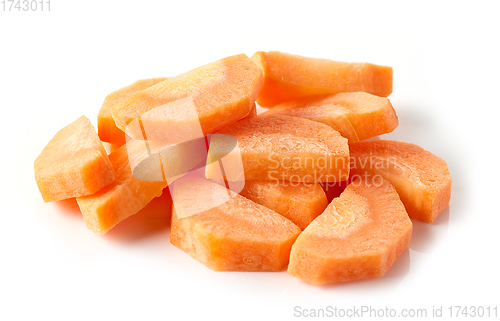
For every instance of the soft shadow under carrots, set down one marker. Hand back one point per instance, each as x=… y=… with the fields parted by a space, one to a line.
x=152 y=219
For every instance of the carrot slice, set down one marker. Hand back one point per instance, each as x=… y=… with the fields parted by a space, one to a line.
x=226 y=231
x=74 y=163
x=127 y=194
x=301 y=203
x=421 y=178
x=277 y=148
x=253 y=112
x=204 y=99
x=288 y=77
x=333 y=190
x=106 y=127
x=357 y=115
x=359 y=235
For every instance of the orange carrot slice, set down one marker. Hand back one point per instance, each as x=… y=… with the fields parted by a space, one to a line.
x=359 y=236
x=226 y=231
x=74 y=163
x=127 y=194
x=333 y=190
x=253 y=112
x=301 y=203
x=421 y=178
x=204 y=99
x=108 y=132
x=288 y=77
x=278 y=148
x=356 y=116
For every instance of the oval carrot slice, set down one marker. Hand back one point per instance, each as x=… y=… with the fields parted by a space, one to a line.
x=356 y=116
x=359 y=235
x=421 y=178
x=288 y=77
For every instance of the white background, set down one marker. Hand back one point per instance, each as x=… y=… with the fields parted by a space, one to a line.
x=56 y=66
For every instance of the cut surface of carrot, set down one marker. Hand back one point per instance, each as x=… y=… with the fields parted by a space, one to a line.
x=301 y=203
x=253 y=112
x=283 y=148
x=355 y=115
x=127 y=194
x=106 y=127
x=288 y=77
x=226 y=231
x=421 y=178
x=74 y=163
x=359 y=235
x=202 y=100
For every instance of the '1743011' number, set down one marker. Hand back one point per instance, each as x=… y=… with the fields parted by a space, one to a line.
x=25 y=5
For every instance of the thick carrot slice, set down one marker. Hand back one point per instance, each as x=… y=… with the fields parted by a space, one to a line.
x=421 y=178
x=301 y=203
x=226 y=231
x=204 y=99
x=359 y=236
x=127 y=194
x=253 y=112
x=288 y=77
x=279 y=148
x=333 y=190
x=356 y=116
x=74 y=163
x=108 y=132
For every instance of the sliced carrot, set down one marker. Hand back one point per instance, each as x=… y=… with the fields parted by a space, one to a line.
x=277 y=148
x=421 y=178
x=74 y=163
x=333 y=190
x=288 y=77
x=127 y=194
x=108 y=132
x=357 y=115
x=301 y=203
x=110 y=147
x=253 y=112
x=153 y=218
x=359 y=236
x=226 y=231
x=195 y=103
